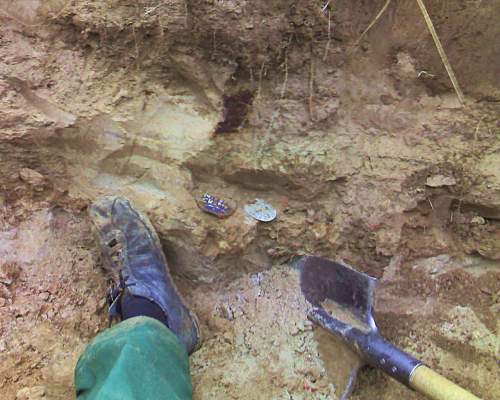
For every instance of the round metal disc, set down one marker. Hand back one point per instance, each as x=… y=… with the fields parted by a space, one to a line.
x=261 y=210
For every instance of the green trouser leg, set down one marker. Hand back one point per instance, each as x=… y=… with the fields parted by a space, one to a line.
x=138 y=359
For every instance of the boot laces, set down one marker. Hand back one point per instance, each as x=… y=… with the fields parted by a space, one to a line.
x=115 y=292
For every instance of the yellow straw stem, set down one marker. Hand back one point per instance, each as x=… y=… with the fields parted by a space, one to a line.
x=441 y=52
x=377 y=17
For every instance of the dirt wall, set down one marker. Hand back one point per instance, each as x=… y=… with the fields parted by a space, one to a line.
x=107 y=96
x=361 y=146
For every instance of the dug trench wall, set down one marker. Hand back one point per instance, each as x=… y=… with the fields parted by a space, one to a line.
x=361 y=145
x=162 y=100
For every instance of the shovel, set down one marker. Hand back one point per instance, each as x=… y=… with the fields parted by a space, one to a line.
x=342 y=303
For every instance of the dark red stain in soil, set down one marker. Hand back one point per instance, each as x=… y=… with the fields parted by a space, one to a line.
x=235 y=111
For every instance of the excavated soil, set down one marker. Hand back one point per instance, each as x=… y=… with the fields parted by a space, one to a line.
x=361 y=145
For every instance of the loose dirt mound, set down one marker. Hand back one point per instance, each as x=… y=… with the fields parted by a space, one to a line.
x=362 y=148
x=51 y=298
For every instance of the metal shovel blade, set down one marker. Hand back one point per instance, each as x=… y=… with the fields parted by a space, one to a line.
x=337 y=289
x=342 y=303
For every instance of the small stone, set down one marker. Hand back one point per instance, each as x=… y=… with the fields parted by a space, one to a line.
x=308 y=325
x=223 y=245
x=276 y=252
x=32 y=393
x=44 y=296
x=440 y=180
x=9 y=272
x=294 y=331
x=228 y=338
x=272 y=252
x=4 y=291
x=31 y=176
x=311 y=213
x=4 y=280
x=238 y=313
x=2 y=302
x=227 y=311
x=386 y=99
x=478 y=220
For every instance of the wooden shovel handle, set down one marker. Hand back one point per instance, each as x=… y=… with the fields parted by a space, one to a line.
x=436 y=387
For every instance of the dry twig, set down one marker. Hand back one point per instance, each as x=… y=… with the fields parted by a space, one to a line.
x=327 y=47
x=311 y=87
x=283 y=88
x=261 y=74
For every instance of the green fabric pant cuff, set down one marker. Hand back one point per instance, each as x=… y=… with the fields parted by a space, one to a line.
x=137 y=359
